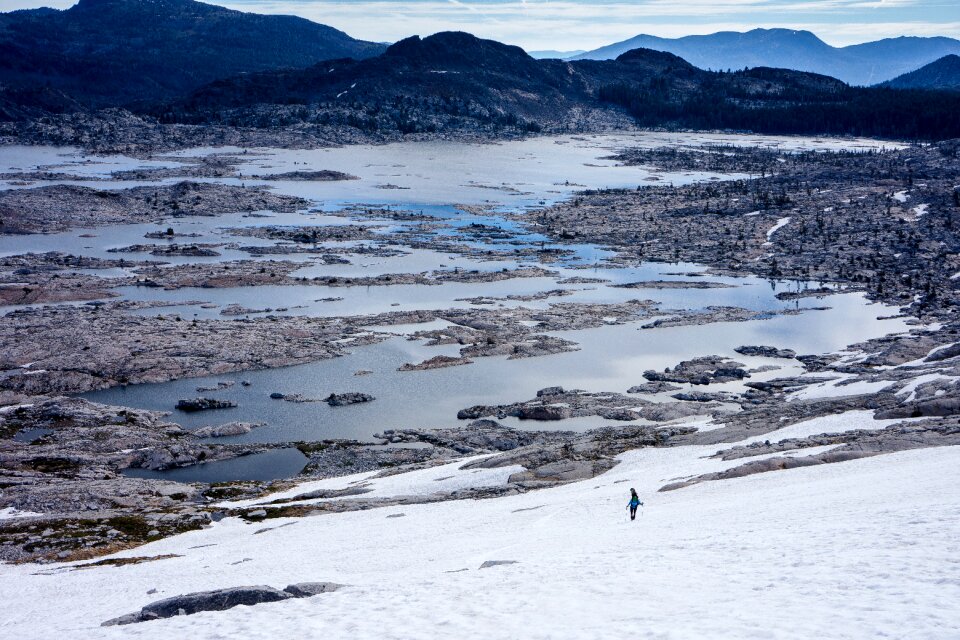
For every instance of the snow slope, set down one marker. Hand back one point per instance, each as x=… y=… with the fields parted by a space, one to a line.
x=860 y=549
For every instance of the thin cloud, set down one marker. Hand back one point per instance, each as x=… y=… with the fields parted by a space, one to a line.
x=586 y=24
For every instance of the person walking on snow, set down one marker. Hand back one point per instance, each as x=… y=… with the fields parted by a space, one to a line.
x=633 y=504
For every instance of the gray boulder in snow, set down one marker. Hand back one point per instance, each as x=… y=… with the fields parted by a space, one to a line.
x=221 y=600
x=218 y=600
x=308 y=589
x=188 y=604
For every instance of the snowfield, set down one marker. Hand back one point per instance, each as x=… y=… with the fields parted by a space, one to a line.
x=860 y=549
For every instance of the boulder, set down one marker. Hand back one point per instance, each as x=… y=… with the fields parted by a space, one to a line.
x=188 y=604
x=343 y=399
x=308 y=589
x=766 y=352
x=938 y=406
x=544 y=412
x=204 y=404
x=653 y=387
x=550 y=391
x=228 y=429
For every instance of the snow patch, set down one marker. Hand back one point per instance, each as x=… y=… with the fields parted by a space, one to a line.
x=782 y=222
x=9 y=513
x=833 y=389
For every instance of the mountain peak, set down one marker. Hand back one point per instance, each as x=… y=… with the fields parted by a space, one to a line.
x=455 y=48
x=654 y=57
x=109 y=52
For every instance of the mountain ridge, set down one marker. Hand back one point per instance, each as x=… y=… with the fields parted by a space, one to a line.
x=941 y=74
x=451 y=79
x=860 y=64
x=109 y=52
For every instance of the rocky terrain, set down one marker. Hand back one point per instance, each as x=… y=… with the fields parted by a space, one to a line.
x=884 y=223
x=47 y=350
x=834 y=222
x=67 y=470
x=58 y=208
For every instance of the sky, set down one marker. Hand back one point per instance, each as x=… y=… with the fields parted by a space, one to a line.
x=586 y=24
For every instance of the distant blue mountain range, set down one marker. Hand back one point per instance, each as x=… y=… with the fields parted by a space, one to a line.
x=860 y=64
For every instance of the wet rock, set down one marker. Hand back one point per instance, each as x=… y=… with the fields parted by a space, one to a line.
x=653 y=387
x=298 y=397
x=436 y=362
x=204 y=404
x=673 y=284
x=544 y=412
x=704 y=370
x=323 y=175
x=766 y=352
x=343 y=399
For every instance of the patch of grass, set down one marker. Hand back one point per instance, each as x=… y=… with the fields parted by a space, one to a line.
x=134 y=526
x=306 y=448
x=51 y=464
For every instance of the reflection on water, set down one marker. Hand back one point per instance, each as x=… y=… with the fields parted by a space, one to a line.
x=268 y=465
x=612 y=358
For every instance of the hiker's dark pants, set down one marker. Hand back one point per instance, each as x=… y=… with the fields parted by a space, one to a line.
x=633 y=513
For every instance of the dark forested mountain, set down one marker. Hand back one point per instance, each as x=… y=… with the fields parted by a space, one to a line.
x=111 y=52
x=861 y=64
x=450 y=80
x=446 y=75
x=941 y=74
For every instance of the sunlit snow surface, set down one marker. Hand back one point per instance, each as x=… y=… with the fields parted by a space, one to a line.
x=859 y=549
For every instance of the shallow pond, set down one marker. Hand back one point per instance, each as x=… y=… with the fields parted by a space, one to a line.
x=273 y=464
x=612 y=358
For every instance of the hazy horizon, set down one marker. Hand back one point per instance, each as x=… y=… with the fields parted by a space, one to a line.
x=588 y=24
